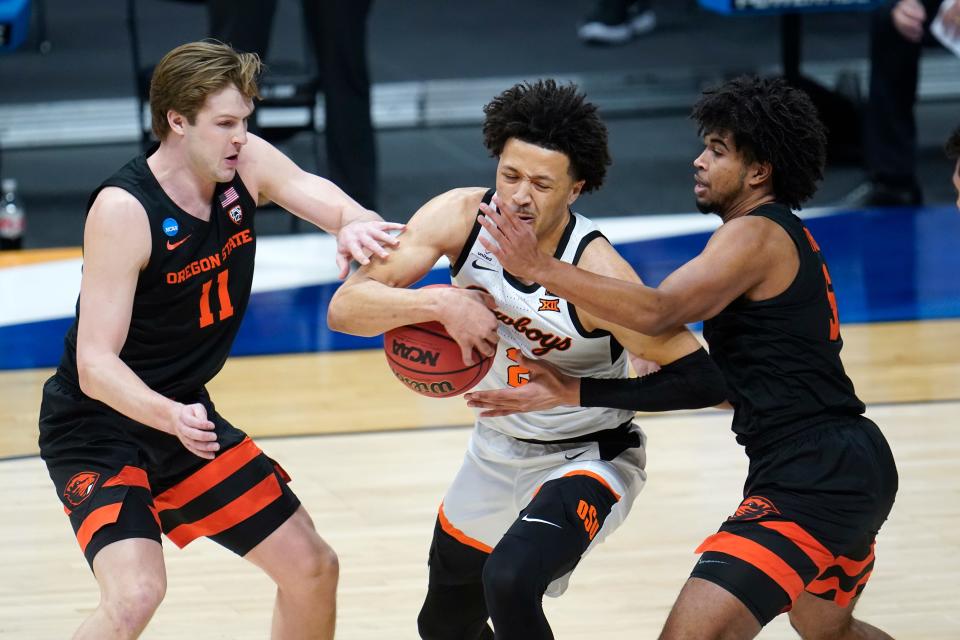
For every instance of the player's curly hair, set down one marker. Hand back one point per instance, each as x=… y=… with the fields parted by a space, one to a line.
x=952 y=147
x=770 y=121
x=555 y=117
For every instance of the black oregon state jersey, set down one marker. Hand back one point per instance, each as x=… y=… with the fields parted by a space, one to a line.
x=781 y=356
x=192 y=295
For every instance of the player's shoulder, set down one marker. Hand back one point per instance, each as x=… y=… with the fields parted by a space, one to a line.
x=463 y=200
x=601 y=257
x=116 y=204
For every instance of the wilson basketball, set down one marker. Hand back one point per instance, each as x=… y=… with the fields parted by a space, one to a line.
x=427 y=360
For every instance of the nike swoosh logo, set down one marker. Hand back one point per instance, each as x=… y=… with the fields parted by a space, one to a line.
x=574 y=457
x=479 y=265
x=527 y=518
x=173 y=245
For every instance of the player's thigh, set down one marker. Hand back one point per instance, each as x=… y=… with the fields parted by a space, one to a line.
x=707 y=611
x=131 y=568
x=815 y=617
x=295 y=550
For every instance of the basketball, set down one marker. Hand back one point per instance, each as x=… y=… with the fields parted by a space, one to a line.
x=427 y=360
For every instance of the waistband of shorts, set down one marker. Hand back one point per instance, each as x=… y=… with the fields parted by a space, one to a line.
x=616 y=434
x=611 y=442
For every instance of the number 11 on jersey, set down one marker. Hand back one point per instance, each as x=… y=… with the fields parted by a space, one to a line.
x=223 y=294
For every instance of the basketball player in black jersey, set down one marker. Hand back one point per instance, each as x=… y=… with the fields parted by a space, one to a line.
x=129 y=434
x=821 y=479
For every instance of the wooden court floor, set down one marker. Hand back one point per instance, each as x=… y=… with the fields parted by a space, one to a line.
x=372 y=476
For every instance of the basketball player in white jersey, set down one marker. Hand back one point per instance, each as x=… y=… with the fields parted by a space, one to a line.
x=537 y=490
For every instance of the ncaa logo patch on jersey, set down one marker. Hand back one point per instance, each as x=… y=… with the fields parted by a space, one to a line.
x=171 y=227
x=236 y=214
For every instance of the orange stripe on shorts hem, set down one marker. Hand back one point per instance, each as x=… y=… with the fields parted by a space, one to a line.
x=208 y=476
x=818 y=554
x=841 y=598
x=232 y=514
x=460 y=536
x=757 y=555
x=95 y=520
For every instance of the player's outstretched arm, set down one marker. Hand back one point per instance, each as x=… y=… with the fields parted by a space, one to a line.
x=116 y=247
x=686 y=379
x=360 y=232
x=375 y=298
x=735 y=260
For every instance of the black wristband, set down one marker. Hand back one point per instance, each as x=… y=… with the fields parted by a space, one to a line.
x=691 y=382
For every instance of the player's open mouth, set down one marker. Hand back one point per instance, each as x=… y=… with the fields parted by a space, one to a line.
x=699 y=188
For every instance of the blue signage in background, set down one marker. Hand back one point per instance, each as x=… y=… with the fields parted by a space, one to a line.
x=743 y=7
x=14 y=23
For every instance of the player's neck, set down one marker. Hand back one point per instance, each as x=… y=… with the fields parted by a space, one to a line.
x=746 y=204
x=549 y=239
x=189 y=190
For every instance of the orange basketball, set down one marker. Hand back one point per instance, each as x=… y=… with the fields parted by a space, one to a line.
x=426 y=359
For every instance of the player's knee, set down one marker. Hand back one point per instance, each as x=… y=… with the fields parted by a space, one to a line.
x=817 y=628
x=131 y=602
x=321 y=567
x=512 y=574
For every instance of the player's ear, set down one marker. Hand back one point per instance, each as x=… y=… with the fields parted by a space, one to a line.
x=575 y=191
x=177 y=121
x=759 y=173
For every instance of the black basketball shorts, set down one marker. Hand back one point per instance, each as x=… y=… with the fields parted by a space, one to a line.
x=120 y=479
x=811 y=511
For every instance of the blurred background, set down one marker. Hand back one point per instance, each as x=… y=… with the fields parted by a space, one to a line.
x=68 y=95
x=72 y=79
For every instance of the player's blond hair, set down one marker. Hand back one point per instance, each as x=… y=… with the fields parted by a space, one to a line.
x=187 y=75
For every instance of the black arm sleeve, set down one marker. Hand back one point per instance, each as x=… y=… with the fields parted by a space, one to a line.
x=692 y=382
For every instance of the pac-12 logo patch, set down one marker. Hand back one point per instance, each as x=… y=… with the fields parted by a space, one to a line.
x=236 y=214
x=753 y=508
x=80 y=486
x=171 y=227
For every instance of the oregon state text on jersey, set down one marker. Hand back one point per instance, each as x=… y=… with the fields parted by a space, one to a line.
x=541 y=325
x=191 y=296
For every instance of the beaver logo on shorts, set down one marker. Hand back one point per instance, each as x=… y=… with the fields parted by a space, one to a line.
x=753 y=508
x=80 y=486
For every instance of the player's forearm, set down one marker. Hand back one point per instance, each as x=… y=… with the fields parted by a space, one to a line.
x=628 y=304
x=107 y=379
x=691 y=382
x=370 y=308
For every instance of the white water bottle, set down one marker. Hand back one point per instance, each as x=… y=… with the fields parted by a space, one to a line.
x=12 y=216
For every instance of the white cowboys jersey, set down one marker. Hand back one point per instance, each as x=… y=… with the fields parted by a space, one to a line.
x=541 y=325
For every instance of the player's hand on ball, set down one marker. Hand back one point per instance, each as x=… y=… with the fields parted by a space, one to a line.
x=195 y=431
x=468 y=318
x=545 y=388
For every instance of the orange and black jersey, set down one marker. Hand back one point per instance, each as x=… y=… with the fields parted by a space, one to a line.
x=193 y=292
x=781 y=356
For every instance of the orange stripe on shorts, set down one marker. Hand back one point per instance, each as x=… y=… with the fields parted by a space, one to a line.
x=757 y=555
x=95 y=520
x=131 y=477
x=817 y=553
x=460 y=536
x=208 y=476
x=232 y=514
x=842 y=598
